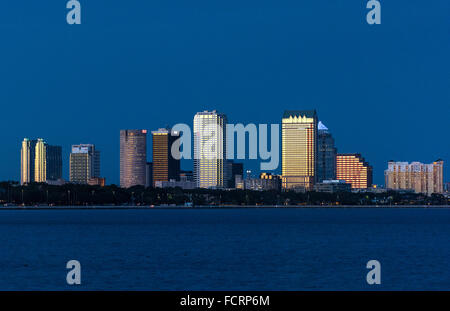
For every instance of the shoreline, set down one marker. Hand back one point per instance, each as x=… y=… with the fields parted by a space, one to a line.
x=208 y=207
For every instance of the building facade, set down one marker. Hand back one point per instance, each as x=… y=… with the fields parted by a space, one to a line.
x=40 y=162
x=27 y=160
x=416 y=176
x=149 y=175
x=84 y=163
x=54 y=162
x=133 y=158
x=299 y=149
x=332 y=186
x=210 y=164
x=326 y=154
x=266 y=181
x=235 y=169
x=166 y=166
x=352 y=168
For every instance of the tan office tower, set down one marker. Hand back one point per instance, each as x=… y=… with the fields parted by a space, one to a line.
x=40 y=161
x=210 y=169
x=133 y=158
x=299 y=149
x=419 y=177
x=166 y=166
x=27 y=161
x=352 y=168
x=84 y=163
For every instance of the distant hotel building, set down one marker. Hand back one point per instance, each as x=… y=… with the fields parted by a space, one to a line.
x=299 y=149
x=133 y=158
x=165 y=166
x=419 y=177
x=352 y=168
x=84 y=163
x=326 y=154
x=210 y=164
x=40 y=162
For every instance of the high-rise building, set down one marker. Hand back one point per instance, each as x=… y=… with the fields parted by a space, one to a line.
x=210 y=164
x=84 y=163
x=133 y=158
x=326 y=154
x=234 y=169
x=40 y=162
x=299 y=149
x=54 y=162
x=416 y=176
x=27 y=161
x=166 y=166
x=352 y=168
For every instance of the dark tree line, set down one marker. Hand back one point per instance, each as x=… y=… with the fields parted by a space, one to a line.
x=79 y=195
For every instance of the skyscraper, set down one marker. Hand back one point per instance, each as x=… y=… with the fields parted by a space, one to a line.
x=54 y=162
x=326 y=154
x=165 y=165
x=299 y=149
x=40 y=161
x=27 y=161
x=84 y=163
x=352 y=168
x=210 y=169
x=419 y=177
x=133 y=158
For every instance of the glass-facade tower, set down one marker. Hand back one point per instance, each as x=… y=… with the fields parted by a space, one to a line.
x=133 y=158
x=166 y=166
x=210 y=168
x=326 y=154
x=299 y=149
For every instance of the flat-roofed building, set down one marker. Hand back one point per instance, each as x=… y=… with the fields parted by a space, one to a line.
x=416 y=176
x=352 y=168
x=210 y=164
x=84 y=163
x=299 y=149
x=166 y=166
x=133 y=158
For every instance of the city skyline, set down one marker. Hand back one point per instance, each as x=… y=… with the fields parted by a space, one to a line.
x=306 y=142
x=80 y=86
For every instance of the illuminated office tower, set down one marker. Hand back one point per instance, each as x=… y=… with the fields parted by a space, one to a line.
x=299 y=149
x=416 y=176
x=210 y=168
x=53 y=162
x=326 y=154
x=40 y=161
x=84 y=163
x=352 y=168
x=133 y=158
x=166 y=167
x=27 y=154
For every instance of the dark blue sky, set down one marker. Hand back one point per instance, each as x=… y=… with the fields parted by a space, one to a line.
x=383 y=91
